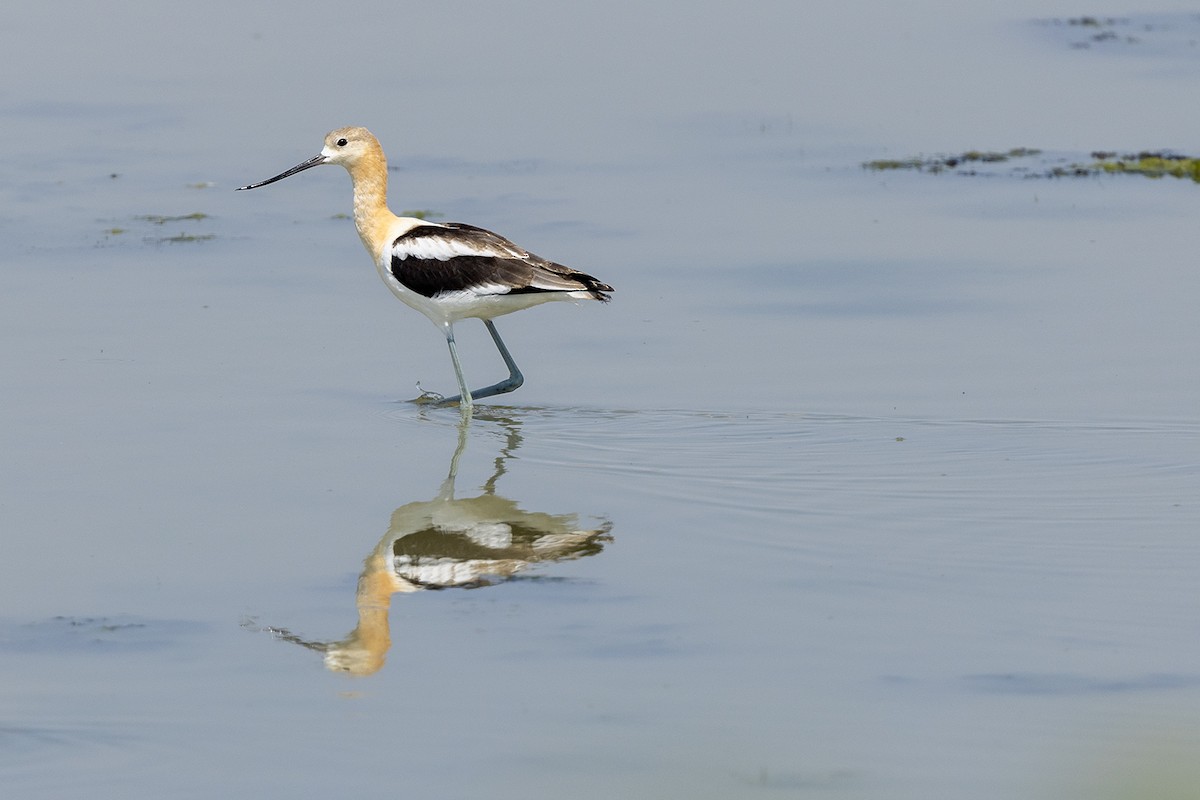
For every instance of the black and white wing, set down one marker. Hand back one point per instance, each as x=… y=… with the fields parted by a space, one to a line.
x=451 y=258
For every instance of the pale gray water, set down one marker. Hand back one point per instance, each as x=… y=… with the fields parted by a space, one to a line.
x=895 y=476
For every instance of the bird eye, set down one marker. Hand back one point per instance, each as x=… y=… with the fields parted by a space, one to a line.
x=342 y=142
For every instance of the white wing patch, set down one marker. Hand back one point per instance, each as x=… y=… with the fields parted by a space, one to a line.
x=473 y=292
x=444 y=248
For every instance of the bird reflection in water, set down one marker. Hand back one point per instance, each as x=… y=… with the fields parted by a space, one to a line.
x=447 y=543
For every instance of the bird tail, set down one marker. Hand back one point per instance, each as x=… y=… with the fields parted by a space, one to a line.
x=597 y=290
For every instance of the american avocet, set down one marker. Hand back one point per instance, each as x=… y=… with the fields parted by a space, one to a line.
x=446 y=270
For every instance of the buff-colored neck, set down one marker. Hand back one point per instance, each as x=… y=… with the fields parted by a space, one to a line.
x=372 y=217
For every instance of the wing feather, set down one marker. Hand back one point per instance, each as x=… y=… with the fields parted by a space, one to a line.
x=446 y=258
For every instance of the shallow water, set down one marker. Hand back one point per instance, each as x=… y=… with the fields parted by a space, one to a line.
x=864 y=485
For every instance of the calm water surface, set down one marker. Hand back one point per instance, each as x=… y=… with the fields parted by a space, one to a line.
x=876 y=485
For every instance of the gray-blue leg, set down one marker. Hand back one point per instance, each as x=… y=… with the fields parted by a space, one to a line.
x=513 y=381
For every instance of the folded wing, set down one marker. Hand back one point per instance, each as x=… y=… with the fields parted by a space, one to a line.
x=449 y=258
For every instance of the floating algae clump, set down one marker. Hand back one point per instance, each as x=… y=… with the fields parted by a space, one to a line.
x=961 y=162
x=1152 y=165
x=161 y=219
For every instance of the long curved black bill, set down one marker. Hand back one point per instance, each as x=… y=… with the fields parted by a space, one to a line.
x=315 y=161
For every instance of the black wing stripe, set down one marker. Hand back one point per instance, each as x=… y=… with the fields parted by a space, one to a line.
x=431 y=277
